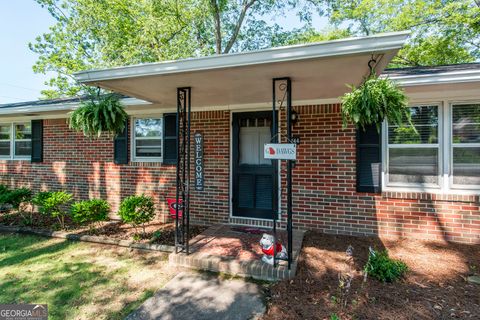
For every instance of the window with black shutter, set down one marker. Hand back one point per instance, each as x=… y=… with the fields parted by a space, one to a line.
x=369 y=161
x=170 y=138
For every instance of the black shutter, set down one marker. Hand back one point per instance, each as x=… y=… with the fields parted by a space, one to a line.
x=37 y=140
x=170 y=138
x=369 y=160
x=120 y=146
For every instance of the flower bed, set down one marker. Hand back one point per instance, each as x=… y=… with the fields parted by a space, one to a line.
x=113 y=232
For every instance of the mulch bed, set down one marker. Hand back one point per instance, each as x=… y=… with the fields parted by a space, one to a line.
x=435 y=286
x=155 y=232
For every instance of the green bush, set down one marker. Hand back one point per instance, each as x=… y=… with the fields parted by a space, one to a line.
x=3 y=189
x=54 y=204
x=93 y=210
x=381 y=267
x=16 y=197
x=137 y=210
x=13 y=199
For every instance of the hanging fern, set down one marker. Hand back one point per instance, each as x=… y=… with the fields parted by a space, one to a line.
x=375 y=100
x=103 y=115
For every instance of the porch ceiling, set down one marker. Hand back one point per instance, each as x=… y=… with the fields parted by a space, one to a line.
x=318 y=71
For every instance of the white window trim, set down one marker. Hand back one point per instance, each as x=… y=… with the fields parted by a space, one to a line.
x=438 y=145
x=451 y=185
x=12 y=140
x=133 y=140
x=445 y=153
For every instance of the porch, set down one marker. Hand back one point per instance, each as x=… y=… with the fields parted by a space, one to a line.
x=235 y=250
x=258 y=81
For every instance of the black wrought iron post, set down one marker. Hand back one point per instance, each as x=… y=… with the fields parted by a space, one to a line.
x=182 y=224
x=275 y=169
x=283 y=86
x=289 y=173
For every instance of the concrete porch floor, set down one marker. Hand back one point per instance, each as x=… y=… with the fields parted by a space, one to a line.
x=235 y=250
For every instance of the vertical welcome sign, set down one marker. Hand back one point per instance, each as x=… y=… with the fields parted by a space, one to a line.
x=198 y=161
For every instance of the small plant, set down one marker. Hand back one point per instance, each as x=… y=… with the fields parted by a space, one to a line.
x=105 y=114
x=137 y=210
x=372 y=102
x=156 y=236
x=94 y=210
x=383 y=268
x=53 y=204
x=334 y=316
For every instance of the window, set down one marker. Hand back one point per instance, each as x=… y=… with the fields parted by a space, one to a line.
x=147 y=142
x=15 y=141
x=465 y=159
x=413 y=155
x=442 y=153
x=5 y=135
x=22 y=140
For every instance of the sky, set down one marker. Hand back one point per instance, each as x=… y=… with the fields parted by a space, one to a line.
x=21 y=21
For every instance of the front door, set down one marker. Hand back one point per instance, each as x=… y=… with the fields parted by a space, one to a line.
x=253 y=176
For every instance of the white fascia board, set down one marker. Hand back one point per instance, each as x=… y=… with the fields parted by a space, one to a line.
x=35 y=109
x=438 y=78
x=371 y=44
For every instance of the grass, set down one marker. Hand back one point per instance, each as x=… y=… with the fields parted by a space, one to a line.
x=78 y=280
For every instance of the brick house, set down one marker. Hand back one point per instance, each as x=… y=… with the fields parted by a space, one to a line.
x=344 y=181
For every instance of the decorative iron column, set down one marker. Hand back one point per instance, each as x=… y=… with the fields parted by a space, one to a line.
x=182 y=221
x=282 y=94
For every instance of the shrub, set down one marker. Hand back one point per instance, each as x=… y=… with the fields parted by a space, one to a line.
x=53 y=204
x=137 y=210
x=381 y=267
x=3 y=189
x=93 y=210
x=13 y=199
x=16 y=197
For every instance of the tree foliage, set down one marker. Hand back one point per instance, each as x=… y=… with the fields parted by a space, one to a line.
x=443 y=31
x=91 y=34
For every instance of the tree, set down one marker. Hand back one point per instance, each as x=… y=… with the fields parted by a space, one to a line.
x=106 y=33
x=443 y=31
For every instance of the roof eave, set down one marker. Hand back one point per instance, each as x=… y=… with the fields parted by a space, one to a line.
x=60 y=107
x=372 y=44
x=439 y=78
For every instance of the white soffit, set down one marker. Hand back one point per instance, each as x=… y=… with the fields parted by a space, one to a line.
x=318 y=71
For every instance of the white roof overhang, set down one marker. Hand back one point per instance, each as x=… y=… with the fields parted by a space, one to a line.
x=448 y=77
x=60 y=108
x=318 y=71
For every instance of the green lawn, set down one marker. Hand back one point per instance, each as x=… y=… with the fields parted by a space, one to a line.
x=78 y=280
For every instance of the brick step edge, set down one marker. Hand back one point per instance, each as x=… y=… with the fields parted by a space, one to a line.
x=256 y=270
x=87 y=238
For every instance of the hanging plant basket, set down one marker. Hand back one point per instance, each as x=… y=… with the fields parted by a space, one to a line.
x=104 y=114
x=372 y=102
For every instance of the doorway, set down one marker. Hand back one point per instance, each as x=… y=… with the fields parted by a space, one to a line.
x=254 y=194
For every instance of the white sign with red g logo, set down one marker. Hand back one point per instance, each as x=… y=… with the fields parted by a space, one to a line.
x=280 y=151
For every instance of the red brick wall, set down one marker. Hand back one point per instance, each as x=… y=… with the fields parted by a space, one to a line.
x=325 y=198
x=324 y=181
